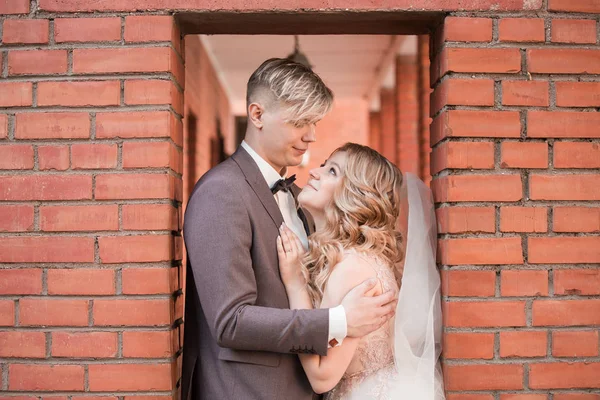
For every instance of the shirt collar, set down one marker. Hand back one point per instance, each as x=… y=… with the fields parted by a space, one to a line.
x=267 y=171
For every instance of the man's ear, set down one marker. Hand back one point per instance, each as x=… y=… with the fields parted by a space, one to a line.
x=255 y=115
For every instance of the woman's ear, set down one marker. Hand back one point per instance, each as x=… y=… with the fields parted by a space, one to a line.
x=255 y=114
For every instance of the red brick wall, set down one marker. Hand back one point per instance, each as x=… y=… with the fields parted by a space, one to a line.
x=389 y=127
x=407 y=114
x=515 y=164
x=89 y=197
x=90 y=191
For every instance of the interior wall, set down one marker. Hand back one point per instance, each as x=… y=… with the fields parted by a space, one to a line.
x=348 y=121
x=206 y=106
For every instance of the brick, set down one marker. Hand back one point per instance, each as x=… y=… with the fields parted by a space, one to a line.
x=25 y=31
x=147 y=344
x=3 y=126
x=468 y=123
x=130 y=377
x=84 y=344
x=81 y=281
x=483 y=377
x=26 y=377
x=576 y=219
x=567 y=250
x=575 y=343
x=132 y=186
x=146 y=280
x=467 y=92
x=23 y=344
x=79 y=218
x=16 y=94
x=146 y=154
x=79 y=94
x=140 y=248
x=149 y=28
x=121 y=312
x=525 y=93
x=16 y=156
x=7 y=312
x=523 y=344
x=481 y=314
x=521 y=30
x=93 y=156
x=564 y=375
x=563 y=61
x=53 y=157
x=21 y=281
x=45 y=187
x=14 y=6
x=153 y=91
x=481 y=251
x=568 y=124
x=96 y=398
x=574 y=31
x=17 y=218
x=577 y=282
x=566 y=312
x=146 y=398
x=466 y=219
x=466 y=396
x=143 y=124
x=46 y=312
x=577 y=94
x=468 y=345
x=564 y=187
x=149 y=217
x=576 y=396
x=52 y=125
x=478 y=188
x=584 y=6
x=483 y=60
x=462 y=155
x=463 y=29
x=521 y=396
x=19 y=249
x=87 y=29
x=524 y=219
x=524 y=155
x=37 y=62
x=461 y=283
x=576 y=155
x=121 y=60
x=524 y=283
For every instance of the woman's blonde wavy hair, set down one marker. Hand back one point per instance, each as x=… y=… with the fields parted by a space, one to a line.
x=362 y=216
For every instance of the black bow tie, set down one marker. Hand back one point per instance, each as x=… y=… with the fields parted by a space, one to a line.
x=283 y=184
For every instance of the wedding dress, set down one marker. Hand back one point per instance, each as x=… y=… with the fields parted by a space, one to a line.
x=400 y=360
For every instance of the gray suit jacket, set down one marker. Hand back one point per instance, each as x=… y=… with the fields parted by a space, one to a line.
x=240 y=338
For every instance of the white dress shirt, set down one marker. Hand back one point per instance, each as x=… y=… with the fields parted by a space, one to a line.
x=287 y=206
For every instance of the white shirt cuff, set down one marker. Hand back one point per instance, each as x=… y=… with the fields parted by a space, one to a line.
x=338 y=328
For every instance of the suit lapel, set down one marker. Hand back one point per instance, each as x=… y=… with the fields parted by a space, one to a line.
x=258 y=184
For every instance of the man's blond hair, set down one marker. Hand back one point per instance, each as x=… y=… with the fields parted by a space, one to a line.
x=294 y=86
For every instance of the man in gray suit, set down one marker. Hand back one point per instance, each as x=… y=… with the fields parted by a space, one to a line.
x=240 y=337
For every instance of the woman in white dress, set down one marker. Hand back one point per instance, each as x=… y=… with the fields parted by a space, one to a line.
x=356 y=198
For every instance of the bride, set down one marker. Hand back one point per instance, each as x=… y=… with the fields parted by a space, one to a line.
x=355 y=199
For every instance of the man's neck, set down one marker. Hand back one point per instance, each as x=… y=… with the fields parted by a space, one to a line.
x=255 y=145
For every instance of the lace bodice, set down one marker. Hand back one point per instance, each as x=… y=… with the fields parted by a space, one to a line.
x=374 y=357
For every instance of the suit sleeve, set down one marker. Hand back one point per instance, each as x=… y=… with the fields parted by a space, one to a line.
x=218 y=238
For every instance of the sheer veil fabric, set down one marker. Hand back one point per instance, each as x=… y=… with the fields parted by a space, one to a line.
x=418 y=320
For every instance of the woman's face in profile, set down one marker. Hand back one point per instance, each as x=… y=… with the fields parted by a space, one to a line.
x=322 y=183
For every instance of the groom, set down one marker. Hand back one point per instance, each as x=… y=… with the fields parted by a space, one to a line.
x=240 y=337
